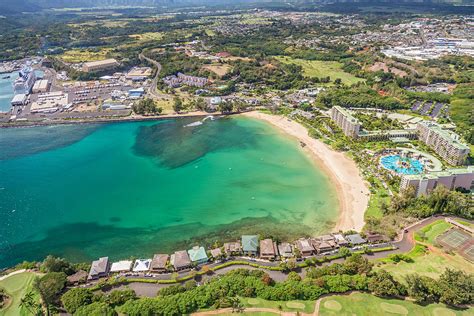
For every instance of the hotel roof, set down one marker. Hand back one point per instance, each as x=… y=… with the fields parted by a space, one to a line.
x=347 y=114
x=444 y=134
x=438 y=174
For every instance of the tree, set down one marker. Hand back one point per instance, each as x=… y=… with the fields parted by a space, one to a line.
x=53 y=264
x=293 y=276
x=422 y=289
x=456 y=287
x=96 y=309
x=119 y=297
x=177 y=104
x=236 y=305
x=201 y=104
x=146 y=106
x=357 y=264
x=383 y=284
x=344 y=252
x=75 y=298
x=225 y=107
x=49 y=286
x=28 y=301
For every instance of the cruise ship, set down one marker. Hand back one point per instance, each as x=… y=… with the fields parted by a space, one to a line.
x=24 y=83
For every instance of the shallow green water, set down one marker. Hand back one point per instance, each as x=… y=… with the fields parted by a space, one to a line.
x=134 y=189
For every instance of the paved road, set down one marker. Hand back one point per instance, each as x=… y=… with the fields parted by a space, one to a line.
x=404 y=244
x=153 y=88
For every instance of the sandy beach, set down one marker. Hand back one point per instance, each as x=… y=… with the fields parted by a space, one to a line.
x=352 y=191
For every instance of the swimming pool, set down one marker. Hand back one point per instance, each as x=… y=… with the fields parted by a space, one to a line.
x=402 y=165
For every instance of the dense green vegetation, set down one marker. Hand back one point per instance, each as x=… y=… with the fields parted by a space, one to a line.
x=360 y=97
x=405 y=205
x=461 y=111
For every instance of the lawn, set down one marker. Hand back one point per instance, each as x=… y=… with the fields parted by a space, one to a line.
x=366 y=304
x=376 y=198
x=426 y=262
x=320 y=69
x=432 y=231
x=218 y=69
x=83 y=55
x=148 y=36
x=16 y=287
x=290 y=306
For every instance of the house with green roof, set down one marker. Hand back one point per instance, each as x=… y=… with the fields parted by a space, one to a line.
x=198 y=255
x=250 y=244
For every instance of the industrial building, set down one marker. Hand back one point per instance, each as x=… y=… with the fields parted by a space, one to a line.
x=19 y=99
x=444 y=143
x=49 y=102
x=41 y=86
x=348 y=123
x=451 y=179
x=139 y=73
x=100 y=65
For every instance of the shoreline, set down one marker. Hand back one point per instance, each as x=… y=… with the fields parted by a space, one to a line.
x=352 y=191
x=112 y=119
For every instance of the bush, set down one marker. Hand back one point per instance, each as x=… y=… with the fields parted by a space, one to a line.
x=75 y=298
x=96 y=309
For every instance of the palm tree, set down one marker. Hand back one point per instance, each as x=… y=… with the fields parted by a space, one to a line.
x=237 y=306
x=28 y=302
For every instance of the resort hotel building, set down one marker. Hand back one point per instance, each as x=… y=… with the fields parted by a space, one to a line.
x=450 y=178
x=445 y=144
x=348 y=123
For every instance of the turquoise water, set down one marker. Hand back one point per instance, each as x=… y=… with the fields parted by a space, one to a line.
x=6 y=90
x=134 y=189
x=393 y=163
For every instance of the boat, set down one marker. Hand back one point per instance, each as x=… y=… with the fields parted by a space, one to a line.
x=6 y=77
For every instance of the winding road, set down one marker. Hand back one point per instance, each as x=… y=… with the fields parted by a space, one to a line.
x=153 y=89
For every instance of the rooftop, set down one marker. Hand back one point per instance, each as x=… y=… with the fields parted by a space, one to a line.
x=249 y=242
x=124 y=265
x=448 y=136
x=197 y=253
x=141 y=265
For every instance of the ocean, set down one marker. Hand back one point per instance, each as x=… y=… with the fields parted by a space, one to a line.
x=139 y=188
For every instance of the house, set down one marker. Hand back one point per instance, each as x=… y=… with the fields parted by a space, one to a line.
x=99 y=268
x=268 y=249
x=78 y=277
x=159 y=263
x=374 y=237
x=304 y=247
x=198 y=255
x=329 y=239
x=285 y=250
x=355 y=239
x=250 y=244
x=141 y=265
x=121 y=266
x=216 y=253
x=233 y=248
x=322 y=246
x=180 y=260
x=340 y=240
